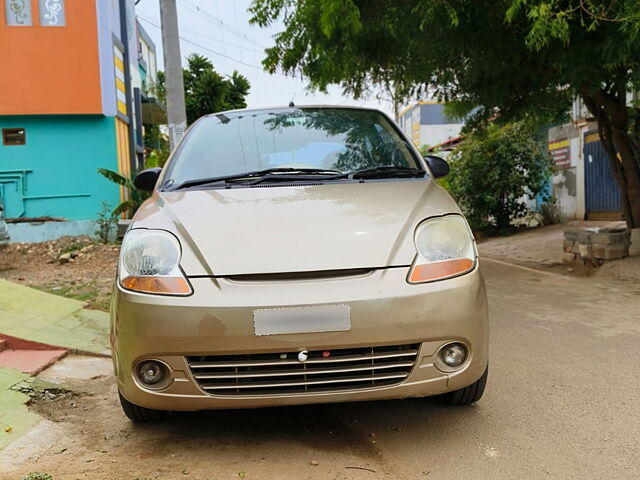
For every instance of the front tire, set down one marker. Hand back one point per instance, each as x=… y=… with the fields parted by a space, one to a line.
x=139 y=414
x=469 y=394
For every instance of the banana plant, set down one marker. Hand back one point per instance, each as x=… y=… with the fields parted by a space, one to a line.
x=136 y=197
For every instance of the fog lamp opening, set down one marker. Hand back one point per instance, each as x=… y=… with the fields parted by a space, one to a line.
x=151 y=372
x=452 y=356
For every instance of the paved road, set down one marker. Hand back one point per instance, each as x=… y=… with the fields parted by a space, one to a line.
x=562 y=402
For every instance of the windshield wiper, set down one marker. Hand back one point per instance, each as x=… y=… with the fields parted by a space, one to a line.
x=380 y=171
x=293 y=173
x=252 y=175
x=383 y=171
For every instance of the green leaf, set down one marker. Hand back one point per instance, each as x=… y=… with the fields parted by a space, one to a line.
x=113 y=176
x=207 y=91
x=125 y=207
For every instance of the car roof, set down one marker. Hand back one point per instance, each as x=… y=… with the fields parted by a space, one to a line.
x=295 y=107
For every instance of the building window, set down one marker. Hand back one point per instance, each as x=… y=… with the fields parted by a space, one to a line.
x=52 y=13
x=14 y=136
x=18 y=13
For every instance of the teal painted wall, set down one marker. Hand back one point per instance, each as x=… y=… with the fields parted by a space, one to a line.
x=63 y=153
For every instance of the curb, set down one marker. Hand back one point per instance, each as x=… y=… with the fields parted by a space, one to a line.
x=522 y=267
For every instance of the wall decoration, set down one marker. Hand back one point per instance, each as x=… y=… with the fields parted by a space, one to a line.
x=52 y=13
x=18 y=13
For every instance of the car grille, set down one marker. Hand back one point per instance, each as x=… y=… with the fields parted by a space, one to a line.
x=323 y=371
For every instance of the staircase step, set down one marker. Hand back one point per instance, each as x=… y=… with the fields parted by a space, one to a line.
x=30 y=361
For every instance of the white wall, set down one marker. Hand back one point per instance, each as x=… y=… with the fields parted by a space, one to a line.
x=434 y=134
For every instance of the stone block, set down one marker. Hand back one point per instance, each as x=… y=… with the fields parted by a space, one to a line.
x=569 y=258
x=123 y=225
x=634 y=248
x=585 y=251
x=610 y=238
x=609 y=252
x=574 y=234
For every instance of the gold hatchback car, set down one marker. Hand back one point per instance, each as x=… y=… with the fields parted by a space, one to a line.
x=296 y=255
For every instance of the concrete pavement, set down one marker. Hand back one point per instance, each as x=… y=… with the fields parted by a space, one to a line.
x=540 y=246
x=15 y=417
x=33 y=327
x=36 y=316
x=561 y=402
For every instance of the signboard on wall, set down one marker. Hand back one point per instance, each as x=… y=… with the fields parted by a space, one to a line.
x=561 y=153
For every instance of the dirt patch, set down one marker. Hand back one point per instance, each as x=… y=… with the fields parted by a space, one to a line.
x=74 y=267
x=310 y=442
x=541 y=248
x=625 y=269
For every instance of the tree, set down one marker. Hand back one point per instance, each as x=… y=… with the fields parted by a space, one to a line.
x=362 y=140
x=206 y=91
x=508 y=59
x=494 y=169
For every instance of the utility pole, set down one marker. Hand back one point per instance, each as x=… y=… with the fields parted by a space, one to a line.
x=176 y=110
x=126 y=54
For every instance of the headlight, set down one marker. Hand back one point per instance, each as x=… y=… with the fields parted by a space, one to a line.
x=150 y=263
x=445 y=249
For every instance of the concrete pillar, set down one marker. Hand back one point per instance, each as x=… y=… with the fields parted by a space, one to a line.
x=176 y=110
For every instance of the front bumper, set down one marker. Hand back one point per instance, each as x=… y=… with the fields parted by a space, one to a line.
x=218 y=320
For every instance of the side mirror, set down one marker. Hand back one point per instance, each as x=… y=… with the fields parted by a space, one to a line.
x=438 y=166
x=146 y=179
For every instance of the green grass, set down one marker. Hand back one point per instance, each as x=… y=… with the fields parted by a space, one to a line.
x=74 y=247
x=38 y=476
x=85 y=292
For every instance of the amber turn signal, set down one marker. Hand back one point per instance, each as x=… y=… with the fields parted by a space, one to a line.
x=162 y=285
x=438 y=270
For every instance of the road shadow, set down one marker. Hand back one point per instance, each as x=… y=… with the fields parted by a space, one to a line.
x=358 y=427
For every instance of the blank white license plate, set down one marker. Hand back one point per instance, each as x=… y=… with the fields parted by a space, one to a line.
x=323 y=318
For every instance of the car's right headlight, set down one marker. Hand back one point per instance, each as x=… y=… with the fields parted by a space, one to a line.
x=445 y=248
x=150 y=263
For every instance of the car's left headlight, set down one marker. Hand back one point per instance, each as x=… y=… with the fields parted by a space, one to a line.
x=150 y=263
x=445 y=249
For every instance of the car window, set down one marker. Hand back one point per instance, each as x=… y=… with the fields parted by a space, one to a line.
x=334 y=139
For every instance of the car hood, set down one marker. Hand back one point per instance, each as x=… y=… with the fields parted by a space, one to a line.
x=281 y=229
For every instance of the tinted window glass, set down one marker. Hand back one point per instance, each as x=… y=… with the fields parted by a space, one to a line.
x=335 y=139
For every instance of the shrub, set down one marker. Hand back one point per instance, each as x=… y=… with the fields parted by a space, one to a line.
x=550 y=212
x=494 y=170
x=106 y=222
x=38 y=476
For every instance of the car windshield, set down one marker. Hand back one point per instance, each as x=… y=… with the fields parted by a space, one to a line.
x=332 y=139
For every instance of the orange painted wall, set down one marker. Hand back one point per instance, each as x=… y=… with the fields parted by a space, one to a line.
x=51 y=70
